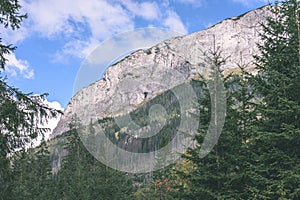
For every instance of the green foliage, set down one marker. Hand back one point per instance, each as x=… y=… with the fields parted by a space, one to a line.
x=20 y=117
x=81 y=176
x=257 y=156
x=10 y=17
x=32 y=174
x=219 y=175
x=20 y=114
x=84 y=177
x=277 y=81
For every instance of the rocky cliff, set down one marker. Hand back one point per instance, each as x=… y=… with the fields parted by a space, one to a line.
x=145 y=73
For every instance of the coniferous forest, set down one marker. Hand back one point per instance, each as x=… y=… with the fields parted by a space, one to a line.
x=256 y=157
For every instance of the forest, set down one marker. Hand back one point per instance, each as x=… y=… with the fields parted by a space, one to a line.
x=256 y=157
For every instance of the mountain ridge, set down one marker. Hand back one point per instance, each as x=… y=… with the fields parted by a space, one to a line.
x=237 y=37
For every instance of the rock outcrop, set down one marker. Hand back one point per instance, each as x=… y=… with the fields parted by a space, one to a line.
x=146 y=73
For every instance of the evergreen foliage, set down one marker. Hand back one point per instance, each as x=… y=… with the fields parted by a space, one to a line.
x=32 y=174
x=256 y=157
x=20 y=114
x=278 y=67
x=84 y=177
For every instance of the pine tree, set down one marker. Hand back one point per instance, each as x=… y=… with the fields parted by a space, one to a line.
x=224 y=172
x=257 y=155
x=32 y=174
x=10 y=17
x=275 y=148
x=84 y=177
x=20 y=114
x=277 y=82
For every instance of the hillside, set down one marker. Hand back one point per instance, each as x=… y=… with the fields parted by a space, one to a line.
x=164 y=66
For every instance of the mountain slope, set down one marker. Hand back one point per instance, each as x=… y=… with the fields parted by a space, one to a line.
x=146 y=73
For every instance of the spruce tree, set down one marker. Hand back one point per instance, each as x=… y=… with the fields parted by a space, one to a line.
x=277 y=81
x=276 y=146
x=225 y=172
x=20 y=113
x=84 y=177
x=32 y=174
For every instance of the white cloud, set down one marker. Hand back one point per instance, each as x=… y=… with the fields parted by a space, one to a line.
x=51 y=124
x=16 y=67
x=11 y=36
x=50 y=17
x=147 y=10
x=77 y=48
x=85 y=24
x=56 y=105
x=101 y=19
x=174 y=22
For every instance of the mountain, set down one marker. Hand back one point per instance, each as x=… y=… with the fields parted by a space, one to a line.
x=144 y=74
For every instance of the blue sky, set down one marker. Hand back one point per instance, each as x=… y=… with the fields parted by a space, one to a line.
x=59 y=34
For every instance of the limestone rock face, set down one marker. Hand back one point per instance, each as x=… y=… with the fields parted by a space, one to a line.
x=145 y=73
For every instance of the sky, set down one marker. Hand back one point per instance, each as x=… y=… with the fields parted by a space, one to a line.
x=58 y=35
